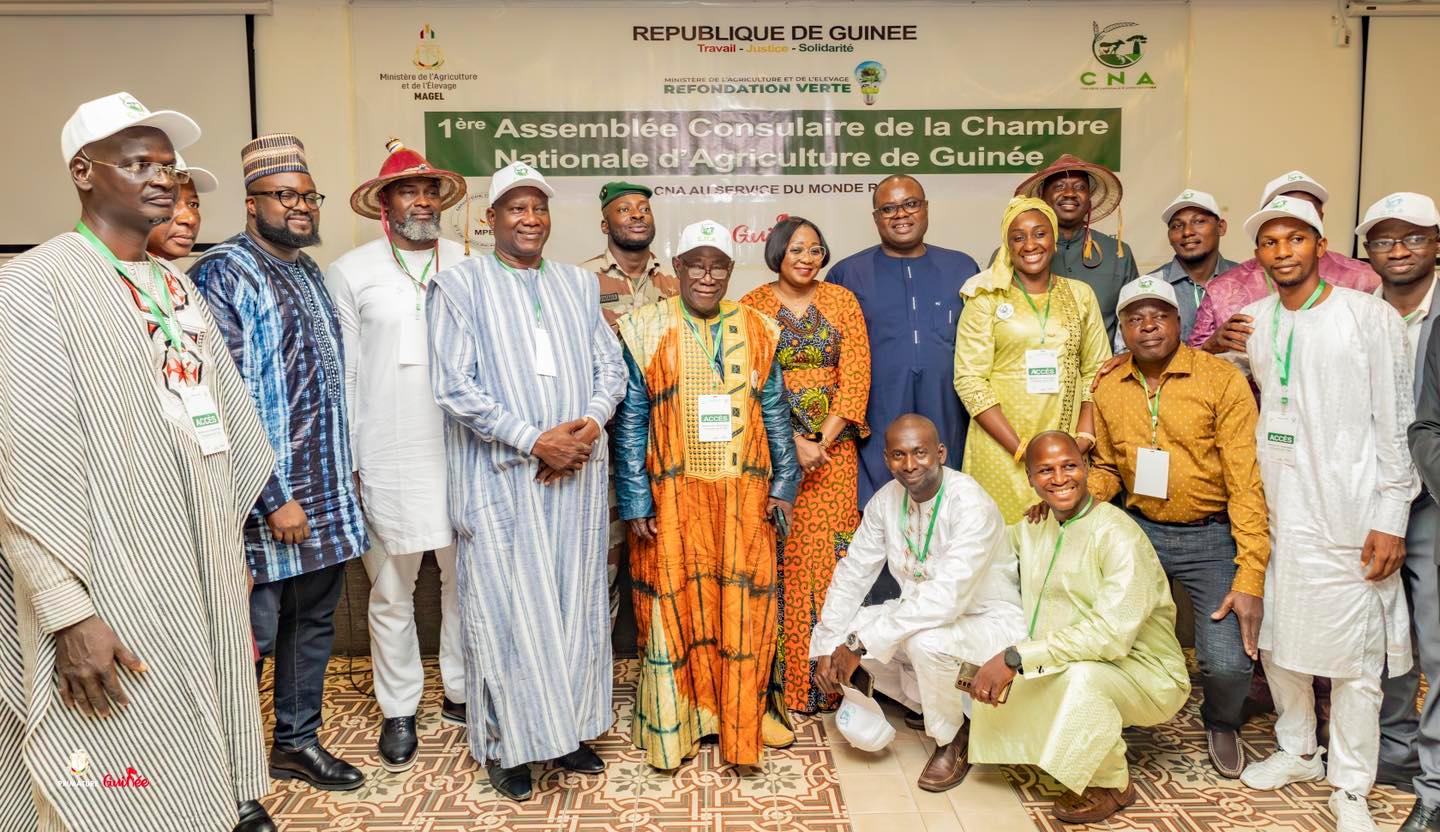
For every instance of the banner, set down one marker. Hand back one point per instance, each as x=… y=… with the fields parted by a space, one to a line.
x=746 y=114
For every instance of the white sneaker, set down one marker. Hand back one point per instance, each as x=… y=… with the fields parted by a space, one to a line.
x=1352 y=813
x=1281 y=769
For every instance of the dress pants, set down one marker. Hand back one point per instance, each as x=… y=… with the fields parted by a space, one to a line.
x=294 y=621
x=1409 y=740
x=1354 y=722
x=394 y=646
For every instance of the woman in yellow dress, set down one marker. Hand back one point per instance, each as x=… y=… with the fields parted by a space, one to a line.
x=1026 y=350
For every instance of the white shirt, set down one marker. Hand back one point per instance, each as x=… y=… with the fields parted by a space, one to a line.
x=1416 y=321
x=396 y=429
x=1351 y=396
x=970 y=571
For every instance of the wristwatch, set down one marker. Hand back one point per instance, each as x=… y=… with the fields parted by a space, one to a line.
x=852 y=642
x=1012 y=659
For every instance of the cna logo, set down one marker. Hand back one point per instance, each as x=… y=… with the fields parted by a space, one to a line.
x=870 y=74
x=428 y=55
x=1119 y=51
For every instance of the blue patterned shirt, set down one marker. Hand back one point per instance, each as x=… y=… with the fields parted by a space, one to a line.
x=284 y=336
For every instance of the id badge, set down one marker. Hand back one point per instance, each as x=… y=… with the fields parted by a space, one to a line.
x=1281 y=430
x=205 y=419
x=1042 y=371
x=1152 y=473
x=714 y=415
x=414 y=340
x=544 y=354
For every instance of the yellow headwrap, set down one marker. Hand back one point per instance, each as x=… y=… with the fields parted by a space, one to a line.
x=997 y=278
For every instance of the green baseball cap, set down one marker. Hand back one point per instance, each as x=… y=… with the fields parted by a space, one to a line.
x=612 y=191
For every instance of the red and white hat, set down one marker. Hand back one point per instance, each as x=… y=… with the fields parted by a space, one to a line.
x=404 y=163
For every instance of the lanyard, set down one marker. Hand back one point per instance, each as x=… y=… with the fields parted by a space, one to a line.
x=1059 y=541
x=424 y=274
x=534 y=296
x=162 y=312
x=920 y=554
x=715 y=354
x=1152 y=403
x=1284 y=367
x=1049 y=296
x=1198 y=291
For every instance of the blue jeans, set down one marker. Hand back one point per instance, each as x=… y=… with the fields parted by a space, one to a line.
x=1202 y=559
x=294 y=621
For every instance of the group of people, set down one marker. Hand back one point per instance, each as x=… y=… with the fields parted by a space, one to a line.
x=969 y=490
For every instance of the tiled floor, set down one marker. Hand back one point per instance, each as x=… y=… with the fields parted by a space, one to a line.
x=821 y=784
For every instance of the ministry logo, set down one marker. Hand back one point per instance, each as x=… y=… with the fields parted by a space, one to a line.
x=428 y=55
x=1117 y=51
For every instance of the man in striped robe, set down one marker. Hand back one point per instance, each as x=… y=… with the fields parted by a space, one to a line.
x=130 y=455
x=527 y=373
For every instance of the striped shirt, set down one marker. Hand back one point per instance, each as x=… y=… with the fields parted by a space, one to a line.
x=284 y=336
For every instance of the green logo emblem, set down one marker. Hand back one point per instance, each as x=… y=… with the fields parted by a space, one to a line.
x=131 y=104
x=1117 y=51
x=521 y=170
x=1188 y=195
x=1147 y=283
x=1279 y=203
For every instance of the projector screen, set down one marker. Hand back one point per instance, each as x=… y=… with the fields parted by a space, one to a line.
x=1402 y=120
x=194 y=64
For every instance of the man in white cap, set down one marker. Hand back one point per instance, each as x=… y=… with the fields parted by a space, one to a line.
x=132 y=456
x=397 y=432
x=527 y=373
x=1194 y=226
x=1220 y=325
x=947 y=546
x=1175 y=431
x=175 y=239
x=706 y=476
x=1333 y=369
x=1400 y=232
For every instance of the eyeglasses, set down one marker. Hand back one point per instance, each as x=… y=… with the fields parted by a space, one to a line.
x=291 y=199
x=1411 y=241
x=144 y=171
x=716 y=271
x=816 y=252
x=909 y=206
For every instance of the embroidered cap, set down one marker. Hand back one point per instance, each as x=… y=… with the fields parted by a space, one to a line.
x=517 y=175
x=862 y=722
x=1146 y=287
x=1190 y=198
x=104 y=117
x=1416 y=209
x=272 y=154
x=1284 y=206
x=705 y=233
x=204 y=181
x=1295 y=180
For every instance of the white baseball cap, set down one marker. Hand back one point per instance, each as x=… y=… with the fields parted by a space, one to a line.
x=1284 y=206
x=1418 y=209
x=1190 y=198
x=706 y=233
x=517 y=175
x=203 y=180
x=1143 y=287
x=104 y=117
x=861 y=721
x=1295 y=180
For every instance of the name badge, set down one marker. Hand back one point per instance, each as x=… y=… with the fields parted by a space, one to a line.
x=1281 y=430
x=204 y=417
x=414 y=340
x=1152 y=473
x=714 y=415
x=1042 y=371
x=544 y=354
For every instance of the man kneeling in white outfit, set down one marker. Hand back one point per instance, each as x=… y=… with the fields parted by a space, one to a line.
x=959 y=599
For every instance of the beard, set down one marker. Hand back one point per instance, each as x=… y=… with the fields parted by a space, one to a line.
x=1192 y=260
x=417 y=231
x=281 y=235
x=631 y=243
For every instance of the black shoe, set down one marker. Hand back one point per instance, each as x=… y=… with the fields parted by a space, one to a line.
x=452 y=712
x=398 y=743
x=315 y=766
x=514 y=783
x=582 y=760
x=914 y=719
x=254 y=818
x=1423 y=818
x=1397 y=778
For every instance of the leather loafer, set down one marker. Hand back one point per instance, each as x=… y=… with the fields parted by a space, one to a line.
x=452 y=712
x=582 y=760
x=1423 y=818
x=315 y=766
x=514 y=783
x=1226 y=754
x=254 y=818
x=947 y=767
x=398 y=743
x=1093 y=805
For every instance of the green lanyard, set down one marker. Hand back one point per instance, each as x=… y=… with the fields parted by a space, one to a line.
x=162 y=312
x=1284 y=367
x=424 y=274
x=1059 y=541
x=1198 y=291
x=920 y=554
x=716 y=353
x=1049 y=296
x=1152 y=402
x=534 y=296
